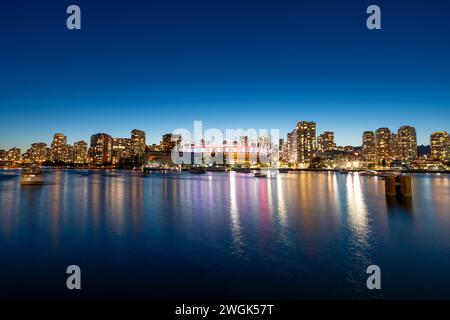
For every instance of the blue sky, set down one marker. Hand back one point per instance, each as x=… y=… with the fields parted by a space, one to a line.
x=160 y=65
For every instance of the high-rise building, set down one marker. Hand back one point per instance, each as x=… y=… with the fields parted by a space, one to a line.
x=101 y=149
x=264 y=146
x=68 y=154
x=285 y=152
x=292 y=146
x=169 y=141
x=369 y=146
x=306 y=141
x=121 y=149
x=407 y=139
x=14 y=154
x=440 y=146
x=137 y=142
x=58 y=147
x=80 y=152
x=325 y=142
x=383 y=144
x=3 y=155
x=394 y=143
x=38 y=152
x=282 y=151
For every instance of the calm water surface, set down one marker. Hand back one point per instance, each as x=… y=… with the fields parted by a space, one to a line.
x=222 y=235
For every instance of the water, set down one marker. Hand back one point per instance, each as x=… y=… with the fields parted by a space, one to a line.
x=222 y=235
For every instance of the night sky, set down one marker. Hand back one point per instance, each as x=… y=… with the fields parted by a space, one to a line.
x=160 y=65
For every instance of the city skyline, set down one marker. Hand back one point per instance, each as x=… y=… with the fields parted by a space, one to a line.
x=155 y=137
x=303 y=146
x=231 y=65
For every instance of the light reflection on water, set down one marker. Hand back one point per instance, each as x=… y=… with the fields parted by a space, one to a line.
x=296 y=235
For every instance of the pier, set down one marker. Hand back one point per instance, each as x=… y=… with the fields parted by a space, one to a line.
x=398 y=186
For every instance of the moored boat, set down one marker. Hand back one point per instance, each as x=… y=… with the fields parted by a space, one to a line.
x=388 y=174
x=32 y=176
x=217 y=169
x=197 y=170
x=243 y=170
x=368 y=173
x=260 y=175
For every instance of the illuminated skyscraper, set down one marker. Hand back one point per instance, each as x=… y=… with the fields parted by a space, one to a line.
x=264 y=145
x=137 y=142
x=38 y=152
x=306 y=141
x=407 y=139
x=169 y=141
x=394 y=143
x=3 y=155
x=440 y=146
x=68 y=154
x=369 y=146
x=292 y=146
x=383 y=144
x=325 y=142
x=58 y=147
x=282 y=151
x=80 y=152
x=14 y=154
x=121 y=149
x=100 y=151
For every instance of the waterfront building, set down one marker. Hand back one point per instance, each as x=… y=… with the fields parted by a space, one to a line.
x=339 y=159
x=263 y=151
x=383 y=145
x=325 y=142
x=369 y=146
x=407 y=139
x=58 y=147
x=169 y=141
x=14 y=154
x=3 y=155
x=292 y=146
x=282 y=151
x=306 y=141
x=68 y=154
x=394 y=144
x=38 y=153
x=137 y=142
x=440 y=146
x=80 y=152
x=101 y=149
x=121 y=149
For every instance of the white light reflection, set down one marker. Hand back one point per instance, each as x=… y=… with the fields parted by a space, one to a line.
x=236 y=229
x=357 y=210
x=282 y=213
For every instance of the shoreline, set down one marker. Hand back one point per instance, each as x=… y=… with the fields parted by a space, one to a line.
x=289 y=169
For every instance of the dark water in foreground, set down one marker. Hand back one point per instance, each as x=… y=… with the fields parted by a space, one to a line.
x=221 y=235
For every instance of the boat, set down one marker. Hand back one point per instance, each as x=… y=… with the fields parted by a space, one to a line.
x=260 y=175
x=243 y=170
x=217 y=169
x=161 y=169
x=283 y=170
x=343 y=171
x=32 y=176
x=368 y=173
x=386 y=175
x=197 y=170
